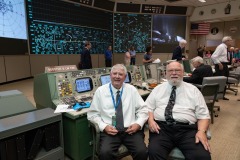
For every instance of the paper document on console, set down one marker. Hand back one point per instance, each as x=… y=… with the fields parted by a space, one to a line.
x=63 y=108
x=156 y=60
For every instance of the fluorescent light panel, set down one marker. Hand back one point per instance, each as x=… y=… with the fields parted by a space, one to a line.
x=203 y=1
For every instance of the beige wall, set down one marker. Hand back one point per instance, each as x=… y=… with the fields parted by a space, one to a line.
x=225 y=29
x=3 y=77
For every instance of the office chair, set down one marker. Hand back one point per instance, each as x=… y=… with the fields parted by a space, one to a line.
x=187 y=66
x=221 y=80
x=209 y=92
x=234 y=78
x=176 y=154
x=122 y=150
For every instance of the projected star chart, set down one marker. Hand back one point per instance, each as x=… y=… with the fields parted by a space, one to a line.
x=132 y=30
x=47 y=38
x=12 y=19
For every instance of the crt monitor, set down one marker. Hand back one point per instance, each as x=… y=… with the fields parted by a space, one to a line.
x=104 y=79
x=128 y=78
x=84 y=84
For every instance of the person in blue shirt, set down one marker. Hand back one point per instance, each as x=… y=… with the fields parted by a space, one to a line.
x=108 y=57
x=133 y=56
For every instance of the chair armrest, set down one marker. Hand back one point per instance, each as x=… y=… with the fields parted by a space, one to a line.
x=199 y=86
x=209 y=136
x=96 y=136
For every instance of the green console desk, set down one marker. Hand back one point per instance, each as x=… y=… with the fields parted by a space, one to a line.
x=78 y=140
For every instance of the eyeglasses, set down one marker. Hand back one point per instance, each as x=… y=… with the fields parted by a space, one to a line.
x=174 y=70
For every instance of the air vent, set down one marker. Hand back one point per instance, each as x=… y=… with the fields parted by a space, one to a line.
x=172 y=1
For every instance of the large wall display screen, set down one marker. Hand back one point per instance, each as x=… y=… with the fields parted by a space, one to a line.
x=13 y=30
x=167 y=31
x=131 y=30
x=58 y=27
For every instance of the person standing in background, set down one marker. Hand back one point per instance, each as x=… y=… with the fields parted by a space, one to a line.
x=177 y=53
x=86 y=60
x=127 y=58
x=201 y=50
x=148 y=56
x=133 y=55
x=219 y=58
x=108 y=57
x=208 y=54
x=230 y=56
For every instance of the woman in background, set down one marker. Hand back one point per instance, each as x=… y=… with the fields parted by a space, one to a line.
x=208 y=54
x=127 y=58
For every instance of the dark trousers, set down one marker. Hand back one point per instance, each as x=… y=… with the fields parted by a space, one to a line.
x=223 y=72
x=180 y=136
x=132 y=61
x=135 y=143
x=108 y=63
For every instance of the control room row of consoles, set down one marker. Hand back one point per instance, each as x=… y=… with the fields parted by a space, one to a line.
x=76 y=88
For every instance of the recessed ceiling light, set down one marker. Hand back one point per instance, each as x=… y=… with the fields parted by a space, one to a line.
x=203 y=1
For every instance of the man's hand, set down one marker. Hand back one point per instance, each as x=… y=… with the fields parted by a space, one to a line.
x=153 y=126
x=110 y=130
x=133 y=128
x=202 y=137
x=220 y=66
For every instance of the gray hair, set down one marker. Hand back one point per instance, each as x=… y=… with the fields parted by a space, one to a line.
x=226 y=38
x=182 y=41
x=119 y=66
x=197 y=59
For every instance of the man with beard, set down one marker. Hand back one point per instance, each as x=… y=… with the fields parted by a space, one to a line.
x=179 y=121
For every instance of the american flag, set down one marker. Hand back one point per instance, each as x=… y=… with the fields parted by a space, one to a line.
x=200 y=28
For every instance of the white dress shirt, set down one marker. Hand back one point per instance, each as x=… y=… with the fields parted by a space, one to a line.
x=189 y=104
x=220 y=54
x=102 y=107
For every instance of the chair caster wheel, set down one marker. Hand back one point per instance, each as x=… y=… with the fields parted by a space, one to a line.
x=218 y=109
x=216 y=115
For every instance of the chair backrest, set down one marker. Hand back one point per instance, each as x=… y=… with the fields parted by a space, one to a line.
x=221 y=80
x=210 y=91
x=187 y=66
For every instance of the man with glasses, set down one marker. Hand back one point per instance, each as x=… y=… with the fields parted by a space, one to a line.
x=178 y=117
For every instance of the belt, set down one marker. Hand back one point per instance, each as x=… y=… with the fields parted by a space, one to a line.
x=172 y=123
x=225 y=62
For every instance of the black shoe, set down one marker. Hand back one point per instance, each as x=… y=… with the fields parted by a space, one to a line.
x=224 y=98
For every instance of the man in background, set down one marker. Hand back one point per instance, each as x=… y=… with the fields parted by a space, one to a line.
x=220 y=59
x=108 y=57
x=199 y=72
x=86 y=60
x=177 y=53
x=133 y=56
x=201 y=50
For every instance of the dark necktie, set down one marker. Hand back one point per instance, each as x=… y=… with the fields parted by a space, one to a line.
x=119 y=114
x=171 y=102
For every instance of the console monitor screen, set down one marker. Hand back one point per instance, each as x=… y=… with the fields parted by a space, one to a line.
x=128 y=78
x=106 y=79
x=84 y=84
